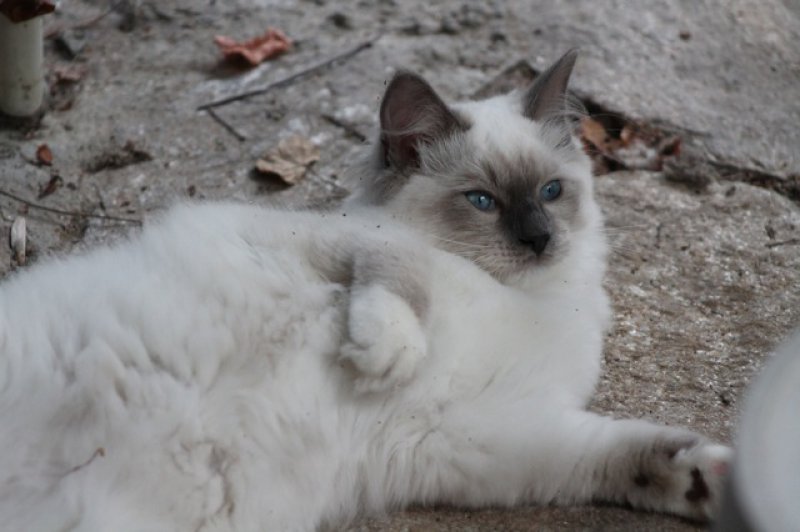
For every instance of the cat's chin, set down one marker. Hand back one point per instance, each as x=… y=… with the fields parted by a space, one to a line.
x=537 y=272
x=541 y=266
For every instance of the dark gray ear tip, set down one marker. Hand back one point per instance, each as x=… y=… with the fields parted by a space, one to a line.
x=407 y=89
x=547 y=94
x=567 y=61
x=572 y=53
x=402 y=73
x=405 y=81
x=402 y=77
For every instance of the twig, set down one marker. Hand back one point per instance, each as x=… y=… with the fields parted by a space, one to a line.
x=292 y=78
x=789 y=242
x=57 y=29
x=350 y=130
x=227 y=126
x=219 y=120
x=33 y=205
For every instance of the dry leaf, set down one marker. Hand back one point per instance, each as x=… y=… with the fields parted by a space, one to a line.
x=44 y=155
x=273 y=43
x=601 y=146
x=636 y=148
x=627 y=134
x=593 y=131
x=52 y=185
x=289 y=160
x=596 y=133
x=17 y=239
x=69 y=73
x=670 y=147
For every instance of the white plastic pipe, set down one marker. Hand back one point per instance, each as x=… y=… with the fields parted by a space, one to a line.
x=21 y=71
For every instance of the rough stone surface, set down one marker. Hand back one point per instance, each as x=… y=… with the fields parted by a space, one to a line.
x=704 y=283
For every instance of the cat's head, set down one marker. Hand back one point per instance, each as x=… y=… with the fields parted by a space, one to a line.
x=502 y=182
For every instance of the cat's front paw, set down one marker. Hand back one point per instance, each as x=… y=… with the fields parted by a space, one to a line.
x=385 y=341
x=684 y=475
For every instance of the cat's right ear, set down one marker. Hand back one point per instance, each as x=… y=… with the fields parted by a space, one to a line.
x=547 y=95
x=411 y=115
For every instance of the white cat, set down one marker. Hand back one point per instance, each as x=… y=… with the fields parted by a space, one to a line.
x=435 y=341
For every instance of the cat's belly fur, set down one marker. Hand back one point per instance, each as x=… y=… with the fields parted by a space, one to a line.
x=189 y=378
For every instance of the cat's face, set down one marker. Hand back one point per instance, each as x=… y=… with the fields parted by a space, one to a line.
x=499 y=181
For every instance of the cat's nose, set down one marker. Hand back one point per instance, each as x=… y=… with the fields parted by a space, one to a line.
x=536 y=242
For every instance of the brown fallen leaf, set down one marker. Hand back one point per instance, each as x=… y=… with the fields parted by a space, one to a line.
x=601 y=146
x=69 y=73
x=44 y=155
x=594 y=132
x=627 y=134
x=636 y=147
x=670 y=147
x=62 y=81
x=255 y=51
x=289 y=160
x=51 y=186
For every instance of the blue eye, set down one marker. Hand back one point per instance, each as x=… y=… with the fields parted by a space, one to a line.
x=481 y=200
x=550 y=190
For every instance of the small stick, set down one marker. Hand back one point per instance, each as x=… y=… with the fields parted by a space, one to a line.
x=33 y=205
x=292 y=78
x=789 y=242
x=219 y=120
x=57 y=29
x=350 y=130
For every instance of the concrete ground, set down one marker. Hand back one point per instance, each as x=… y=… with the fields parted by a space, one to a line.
x=705 y=274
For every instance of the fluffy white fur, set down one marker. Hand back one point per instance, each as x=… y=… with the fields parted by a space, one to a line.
x=213 y=374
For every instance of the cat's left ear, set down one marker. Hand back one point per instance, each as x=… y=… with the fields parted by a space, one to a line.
x=547 y=96
x=412 y=114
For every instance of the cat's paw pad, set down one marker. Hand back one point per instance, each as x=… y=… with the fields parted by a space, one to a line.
x=386 y=340
x=685 y=476
x=703 y=469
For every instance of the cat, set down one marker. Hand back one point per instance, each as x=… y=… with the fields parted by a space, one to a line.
x=433 y=341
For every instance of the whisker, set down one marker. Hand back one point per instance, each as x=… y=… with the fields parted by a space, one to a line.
x=625 y=253
x=611 y=228
x=621 y=244
x=460 y=243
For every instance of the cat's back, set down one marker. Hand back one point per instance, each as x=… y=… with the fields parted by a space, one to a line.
x=198 y=245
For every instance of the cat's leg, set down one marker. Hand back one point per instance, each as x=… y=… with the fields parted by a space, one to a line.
x=386 y=339
x=570 y=457
x=388 y=303
x=653 y=467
